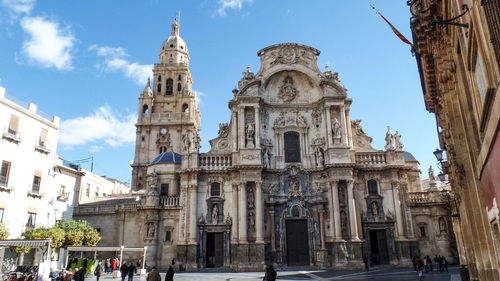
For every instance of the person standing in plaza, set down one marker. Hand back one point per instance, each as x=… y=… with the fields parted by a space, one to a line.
x=420 y=268
x=437 y=262
x=107 y=265
x=444 y=264
x=98 y=271
x=131 y=271
x=80 y=274
x=124 y=271
x=170 y=274
x=154 y=275
x=113 y=264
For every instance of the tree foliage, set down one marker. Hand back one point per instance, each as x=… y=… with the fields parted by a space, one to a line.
x=66 y=233
x=4 y=233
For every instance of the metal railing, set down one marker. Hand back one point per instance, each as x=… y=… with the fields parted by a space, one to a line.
x=215 y=162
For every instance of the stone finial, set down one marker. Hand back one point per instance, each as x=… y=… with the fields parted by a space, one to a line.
x=327 y=68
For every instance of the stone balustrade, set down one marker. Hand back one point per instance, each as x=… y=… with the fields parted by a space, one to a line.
x=371 y=158
x=169 y=201
x=215 y=162
x=418 y=197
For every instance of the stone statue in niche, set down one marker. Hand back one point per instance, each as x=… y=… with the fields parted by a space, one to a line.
x=397 y=141
x=375 y=209
x=343 y=223
x=266 y=157
x=336 y=131
x=288 y=92
x=318 y=154
x=228 y=220
x=250 y=134
x=186 y=142
x=389 y=139
x=251 y=199
x=251 y=221
x=151 y=230
x=341 y=195
x=215 y=214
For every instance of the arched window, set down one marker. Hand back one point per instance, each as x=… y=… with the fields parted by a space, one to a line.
x=372 y=187
x=185 y=108
x=179 y=87
x=163 y=149
x=159 y=78
x=215 y=189
x=158 y=88
x=180 y=77
x=292 y=147
x=170 y=85
x=145 y=109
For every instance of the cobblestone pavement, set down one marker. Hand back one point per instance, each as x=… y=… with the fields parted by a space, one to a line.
x=378 y=274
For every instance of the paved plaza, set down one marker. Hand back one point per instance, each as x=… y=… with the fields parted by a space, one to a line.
x=379 y=274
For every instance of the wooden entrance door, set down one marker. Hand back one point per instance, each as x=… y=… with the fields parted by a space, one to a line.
x=297 y=242
x=378 y=246
x=215 y=249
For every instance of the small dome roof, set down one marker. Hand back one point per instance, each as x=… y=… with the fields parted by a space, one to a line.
x=174 y=42
x=167 y=157
x=409 y=157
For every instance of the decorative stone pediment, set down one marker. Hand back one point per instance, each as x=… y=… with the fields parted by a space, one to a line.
x=361 y=141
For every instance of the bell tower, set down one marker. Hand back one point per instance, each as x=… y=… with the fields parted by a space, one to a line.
x=169 y=118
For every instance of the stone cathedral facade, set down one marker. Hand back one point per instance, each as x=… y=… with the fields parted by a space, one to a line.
x=290 y=180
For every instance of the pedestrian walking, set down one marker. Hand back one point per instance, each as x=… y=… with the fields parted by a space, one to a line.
x=114 y=264
x=98 y=271
x=444 y=264
x=69 y=275
x=420 y=268
x=154 y=275
x=270 y=273
x=170 y=274
x=131 y=271
x=124 y=271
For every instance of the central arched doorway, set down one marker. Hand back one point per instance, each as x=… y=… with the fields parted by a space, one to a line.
x=297 y=242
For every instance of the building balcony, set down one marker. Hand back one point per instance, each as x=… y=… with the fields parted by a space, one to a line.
x=169 y=201
x=42 y=146
x=11 y=135
x=6 y=184
x=63 y=196
x=215 y=162
x=35 y=191
x=371 y=158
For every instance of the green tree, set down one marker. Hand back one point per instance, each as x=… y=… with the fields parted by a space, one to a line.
x=4 y=233
x=78 y=233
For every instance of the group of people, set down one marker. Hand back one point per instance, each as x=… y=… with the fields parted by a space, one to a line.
x=439 y=263
x=154 y=275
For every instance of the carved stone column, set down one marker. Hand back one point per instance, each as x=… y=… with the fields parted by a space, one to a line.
x=257 y=127
x=322 y=230
x=336 y=210
x=329 y=126
x=192 y=214
x=330 y=211
x=242 y=194
x=259 y=213
x=397 y=209
x=273 y=238
x=234 y=130
x=234 y=227
x=352 y=210
x=343 y=125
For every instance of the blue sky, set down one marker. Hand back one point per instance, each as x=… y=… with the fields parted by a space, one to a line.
x=88 y=61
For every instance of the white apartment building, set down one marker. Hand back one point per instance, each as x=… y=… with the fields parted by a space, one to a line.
x=28 y=197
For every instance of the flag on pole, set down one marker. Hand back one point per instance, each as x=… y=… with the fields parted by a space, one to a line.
x=398 y=34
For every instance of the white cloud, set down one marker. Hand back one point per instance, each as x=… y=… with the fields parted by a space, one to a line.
x=17 y=8
x=230 y=4
x=49 y=45
x=198 y=97
x=116 y=59
x=101 y=126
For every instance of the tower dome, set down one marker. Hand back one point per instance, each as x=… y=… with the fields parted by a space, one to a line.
x=174 y=49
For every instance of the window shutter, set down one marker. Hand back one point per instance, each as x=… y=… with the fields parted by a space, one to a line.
x=44 y=135
x=14 y=123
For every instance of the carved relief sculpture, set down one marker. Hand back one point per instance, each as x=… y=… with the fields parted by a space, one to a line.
x=223 y=130
x=320 y=159
x=215 y=214
x=288 y=92
x=186 y=142
x=375 y=209
x=336 y=131
x=250 y=134
x=389 y=139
